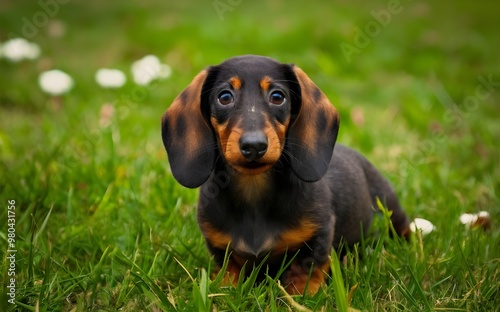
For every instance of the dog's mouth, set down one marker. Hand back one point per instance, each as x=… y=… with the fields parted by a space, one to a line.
x=252 y=167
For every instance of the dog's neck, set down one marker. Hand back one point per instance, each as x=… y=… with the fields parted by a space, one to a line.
x=255 y=188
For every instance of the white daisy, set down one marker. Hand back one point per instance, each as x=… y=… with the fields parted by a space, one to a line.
x=425 y=226
x=18 y=49
x=110 y=78
x=55 y=82
x=148 y=69
x=480 y=219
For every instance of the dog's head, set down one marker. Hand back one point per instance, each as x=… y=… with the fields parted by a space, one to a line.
x=254 y=111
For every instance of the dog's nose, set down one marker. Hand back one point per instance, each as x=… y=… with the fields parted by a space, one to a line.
x=253 y=145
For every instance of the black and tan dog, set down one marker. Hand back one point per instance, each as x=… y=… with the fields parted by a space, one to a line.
x=258 y=136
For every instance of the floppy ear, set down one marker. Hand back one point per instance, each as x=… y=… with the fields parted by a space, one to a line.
x=188 y=139
x=312 y=135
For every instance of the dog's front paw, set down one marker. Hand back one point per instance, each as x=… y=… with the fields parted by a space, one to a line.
x=297 y=282
x=233 y=271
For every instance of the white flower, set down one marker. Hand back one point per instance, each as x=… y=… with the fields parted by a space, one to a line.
x=110 y=78
x=18 y=49
x=476 y=219
x=148 y=69
x=425 y=226
x=468 y=218
x=55 y=82
x=165 y=71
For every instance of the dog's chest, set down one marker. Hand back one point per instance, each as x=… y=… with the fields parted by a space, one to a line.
x=253 y=216
x=259 y=237
x=254 y=236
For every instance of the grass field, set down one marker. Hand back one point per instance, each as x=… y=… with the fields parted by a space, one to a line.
x=100 y=223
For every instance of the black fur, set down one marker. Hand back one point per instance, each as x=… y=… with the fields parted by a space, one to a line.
x=311 y=188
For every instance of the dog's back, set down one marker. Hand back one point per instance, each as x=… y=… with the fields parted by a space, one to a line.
x=356 y=184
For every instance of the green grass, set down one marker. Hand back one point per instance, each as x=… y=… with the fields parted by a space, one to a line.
x=102 y=225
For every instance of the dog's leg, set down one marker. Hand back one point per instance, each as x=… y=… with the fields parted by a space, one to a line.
x=384 y=190
x=303 y=278
x=234 y=266
x=311 y=264
x=399 y=219
x=380 y=187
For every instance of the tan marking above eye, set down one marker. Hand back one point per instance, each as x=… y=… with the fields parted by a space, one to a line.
x=265 y=83
x=235 y=82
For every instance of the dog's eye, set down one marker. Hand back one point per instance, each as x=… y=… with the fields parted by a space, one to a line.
x=225 y=98
x=277 y=98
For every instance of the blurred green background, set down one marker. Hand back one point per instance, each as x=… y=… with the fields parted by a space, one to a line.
x=95 y=200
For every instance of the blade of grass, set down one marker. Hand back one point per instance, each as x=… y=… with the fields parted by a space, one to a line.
x=291 y=301
x=338 y=284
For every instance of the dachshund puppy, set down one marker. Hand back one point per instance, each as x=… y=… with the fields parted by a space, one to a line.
x=258 y=136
